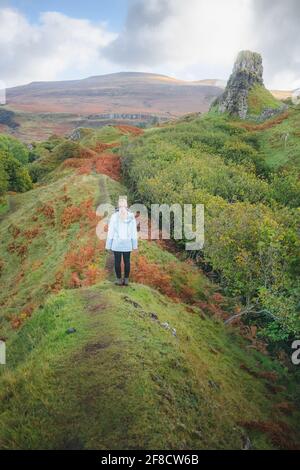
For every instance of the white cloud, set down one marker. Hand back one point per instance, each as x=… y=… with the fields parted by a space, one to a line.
x=276 y=28
x=192 y=39
x=197 y=39
x=57 y=46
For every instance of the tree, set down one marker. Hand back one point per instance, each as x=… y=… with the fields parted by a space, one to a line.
x=17 y=175
x=15 y=148
x=66 y=150
x=3 y=181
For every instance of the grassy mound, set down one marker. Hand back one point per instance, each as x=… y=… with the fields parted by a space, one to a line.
x=124 y=380
x=259 y=98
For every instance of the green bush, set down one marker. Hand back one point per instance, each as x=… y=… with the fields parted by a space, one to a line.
x=3 y=180
x=38 y=170
x=251 y=234
x=66 y=149
x=286 y=188
x=52 y=142
x=17 y=175
x=14 y=147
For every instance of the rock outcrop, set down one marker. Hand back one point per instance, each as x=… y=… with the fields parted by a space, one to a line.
x=246 y=75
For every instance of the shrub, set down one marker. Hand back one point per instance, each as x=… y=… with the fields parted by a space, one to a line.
x=3 y=181
x=37 y=171
x=67 y=149
x=18 y=178
x=13 y=147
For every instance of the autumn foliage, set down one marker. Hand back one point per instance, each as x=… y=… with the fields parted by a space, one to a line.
x=17 y=320
x=107 y=164
x=82 y=263
x=126 y=129
x=152 y=275
x=70 y=215
x=102 y=147
x=265 y=125
x=279 y=433
x=48 y=211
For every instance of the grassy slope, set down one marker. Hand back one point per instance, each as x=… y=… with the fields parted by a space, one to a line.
x=279 y=138
x=260 y=98
x=122 y=380
x=28 y=278
x=281 y=143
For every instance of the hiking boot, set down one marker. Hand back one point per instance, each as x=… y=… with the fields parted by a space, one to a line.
x=126 y=281
x=118 y=282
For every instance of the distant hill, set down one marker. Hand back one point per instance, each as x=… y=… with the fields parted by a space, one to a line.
x=44 y=108
x=282 y=94
x=125 y=92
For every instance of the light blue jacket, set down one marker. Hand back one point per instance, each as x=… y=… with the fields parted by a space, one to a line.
x=122 y=234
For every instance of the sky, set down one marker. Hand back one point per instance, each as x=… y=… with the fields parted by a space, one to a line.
x=186 y=39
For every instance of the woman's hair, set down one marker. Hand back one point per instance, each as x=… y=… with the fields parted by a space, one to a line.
x=122 y=201
x=123 y=207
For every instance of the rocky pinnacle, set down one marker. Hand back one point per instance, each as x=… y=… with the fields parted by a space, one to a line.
x=247 y=71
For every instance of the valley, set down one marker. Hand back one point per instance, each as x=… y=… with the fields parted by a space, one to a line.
x=196 y=352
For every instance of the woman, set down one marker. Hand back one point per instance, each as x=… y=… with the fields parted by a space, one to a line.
x=122 y=239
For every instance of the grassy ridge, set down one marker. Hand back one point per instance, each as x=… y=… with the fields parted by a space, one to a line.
x=151 y=366
x=124 y=381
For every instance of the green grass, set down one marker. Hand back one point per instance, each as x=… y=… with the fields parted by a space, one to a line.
x=260 y=98
x=122 y=381
x=106 y=134
x=281 y=143
x=27 y=279
x=4 y=206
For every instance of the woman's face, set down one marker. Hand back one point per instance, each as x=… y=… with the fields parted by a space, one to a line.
x=122 y=203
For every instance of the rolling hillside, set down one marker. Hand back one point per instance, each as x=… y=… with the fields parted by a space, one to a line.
x=43 y=108
x=39 y=109
x=92 y=365
x=125 y=92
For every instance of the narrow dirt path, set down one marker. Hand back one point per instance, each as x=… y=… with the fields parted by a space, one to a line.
x=104 y=197
x=12 y=205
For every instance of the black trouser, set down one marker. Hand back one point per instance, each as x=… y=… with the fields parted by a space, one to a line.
x=126 y=259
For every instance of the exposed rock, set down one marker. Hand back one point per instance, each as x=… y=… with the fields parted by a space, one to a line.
x=166 y=326
x=246 y=443
x=154 y=316
x=70 y=331
x=270 y=112
x=132 y=302
x=247 y=73
x=214 y=385
x=79 y=133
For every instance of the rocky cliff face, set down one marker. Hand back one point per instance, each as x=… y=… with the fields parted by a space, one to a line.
x=247 y=73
